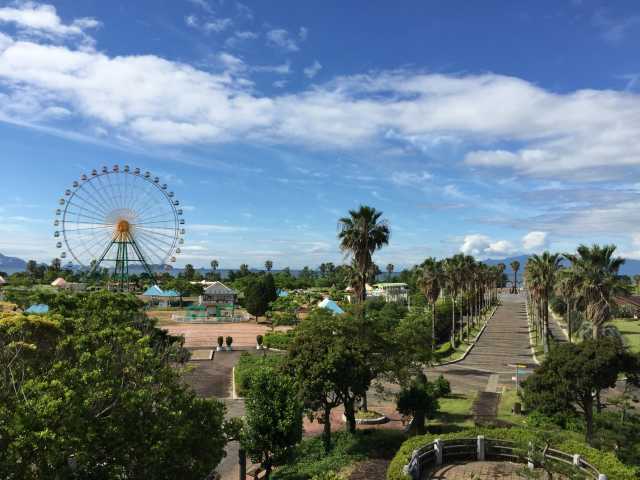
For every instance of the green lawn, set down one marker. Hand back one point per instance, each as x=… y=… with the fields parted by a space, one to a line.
x=454 y=413
x=630 y=330
x=505 y=409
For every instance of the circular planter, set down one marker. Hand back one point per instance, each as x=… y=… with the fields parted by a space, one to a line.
x=369 y=421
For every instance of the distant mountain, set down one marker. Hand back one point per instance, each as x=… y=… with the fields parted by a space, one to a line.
x=630 y=267
x=12 y=264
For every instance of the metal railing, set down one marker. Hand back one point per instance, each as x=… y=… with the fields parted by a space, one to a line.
x=442 y=452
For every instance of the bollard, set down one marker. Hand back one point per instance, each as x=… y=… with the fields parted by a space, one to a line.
x=438 y=447
x=576 y=460
x=530 y=463
x=481 y=446
x=242 y=460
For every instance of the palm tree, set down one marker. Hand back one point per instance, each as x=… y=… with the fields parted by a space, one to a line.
x=542 y=271
x=268 y=265
x=361 y=234
x=390 y=268
x=452 y=282
x=515 y=266
x=597 y=282
x=214 y=265
x=430 y=283
x=566 y=288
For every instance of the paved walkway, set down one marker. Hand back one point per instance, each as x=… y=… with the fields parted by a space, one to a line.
x=478 y=471
x=504 y=342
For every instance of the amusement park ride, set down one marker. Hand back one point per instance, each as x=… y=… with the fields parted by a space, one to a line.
x=119 y=217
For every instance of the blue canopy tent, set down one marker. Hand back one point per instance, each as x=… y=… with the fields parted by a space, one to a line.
x=331 y=305
x=38 y=309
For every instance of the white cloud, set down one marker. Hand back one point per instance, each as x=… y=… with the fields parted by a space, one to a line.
x=482 y=246
x=215 y=25
x=280 y=38
x=410 y=178
x=38 y=19
x=586 y=132
x=312 y=70
x=282 y=69
x=534 y=241
x=303 y=33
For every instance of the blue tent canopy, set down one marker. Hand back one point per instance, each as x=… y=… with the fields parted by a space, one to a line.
x=282 y=293
x=153 y=291
x=331 y=305
x=38 y=308
x=170 y=293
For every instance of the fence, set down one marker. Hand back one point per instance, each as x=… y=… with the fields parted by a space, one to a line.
x=205 y=319
x=440 y=452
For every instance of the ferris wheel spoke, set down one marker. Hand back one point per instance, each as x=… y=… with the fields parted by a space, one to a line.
x=149 y=245
x=96 y=208
x=103 y=200
x=71 y=202
x=103 y=189
x=96 y=220
x=148 y=253
x=89 y=248
x=161 y=222
x=157 y=240
x=149 y=205
x=112 y=193
x=87 y=228
x=148 y=230
x=169 y=216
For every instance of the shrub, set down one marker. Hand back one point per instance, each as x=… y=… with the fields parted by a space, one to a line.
x=259 y=339
x=229 y=341
x=279 y=340
x=220 y=341
x=442 y=386
x=311 y=462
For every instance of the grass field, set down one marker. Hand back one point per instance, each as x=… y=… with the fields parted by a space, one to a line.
x=505 y=409
x=630 y=330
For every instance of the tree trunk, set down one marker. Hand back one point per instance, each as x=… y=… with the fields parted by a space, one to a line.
x=365 y=402
x=569 y=320
x=433 y=327
x=350 y=414
x=419 y=422
x=326 y=433
x=268 y=466
x=453 y=322
x=461 y=326
x=588 y=418
x=595 y=331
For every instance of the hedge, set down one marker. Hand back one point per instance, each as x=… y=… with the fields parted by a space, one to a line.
x=248 y=364
x=605 y=462
x=279 y=340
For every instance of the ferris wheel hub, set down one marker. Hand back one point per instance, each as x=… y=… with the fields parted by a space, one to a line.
x=123 y=226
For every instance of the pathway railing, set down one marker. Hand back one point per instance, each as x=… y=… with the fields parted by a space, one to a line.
x=442 y=452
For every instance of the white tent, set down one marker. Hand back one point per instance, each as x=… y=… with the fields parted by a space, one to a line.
x=59 y=282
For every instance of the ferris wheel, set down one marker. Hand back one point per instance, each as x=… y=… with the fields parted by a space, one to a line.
x=118 y=218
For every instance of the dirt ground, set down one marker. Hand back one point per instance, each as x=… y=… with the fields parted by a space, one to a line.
x=205 y=335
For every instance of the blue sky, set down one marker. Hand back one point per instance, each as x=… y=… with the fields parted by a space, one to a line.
x=493 y=128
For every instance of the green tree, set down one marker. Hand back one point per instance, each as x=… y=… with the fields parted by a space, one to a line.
x=273 y=418
x=541 y=273
x=390 y=268
x=515 y=266
x=330 y=368
x=597 y=282
x=361 y=234
x=94 y=400
x=270 y=288
x=268 y=265
x=189 y=272
x=257 y=295
x=572 y=376
x=419 y=399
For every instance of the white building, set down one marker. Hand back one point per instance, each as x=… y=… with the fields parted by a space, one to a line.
x=391 y=292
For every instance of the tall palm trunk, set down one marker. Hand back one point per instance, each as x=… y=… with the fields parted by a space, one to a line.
x=453 y=322
x=433 y=327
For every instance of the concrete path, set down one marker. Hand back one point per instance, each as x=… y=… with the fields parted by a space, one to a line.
x=504 y=342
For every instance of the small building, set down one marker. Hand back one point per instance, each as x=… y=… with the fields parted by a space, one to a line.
x=37 y=309
x=631 y=302
x=163 y=298
x=219 y=300
x=2 y=281
x=59 y=283
x=331 y=305
x=391 y=292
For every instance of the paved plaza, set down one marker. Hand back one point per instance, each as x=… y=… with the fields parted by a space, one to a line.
x=478 y=471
